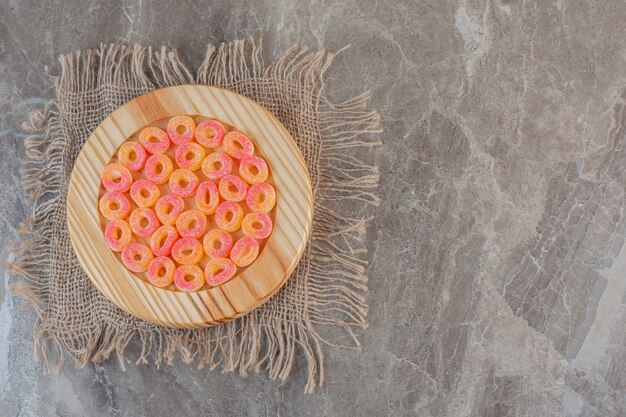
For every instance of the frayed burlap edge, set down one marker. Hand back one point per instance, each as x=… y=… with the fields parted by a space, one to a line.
x=333 y=267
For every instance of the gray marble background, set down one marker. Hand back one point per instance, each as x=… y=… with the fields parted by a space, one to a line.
x=498 y=274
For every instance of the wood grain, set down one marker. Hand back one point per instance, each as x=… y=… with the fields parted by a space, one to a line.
x=254 y=285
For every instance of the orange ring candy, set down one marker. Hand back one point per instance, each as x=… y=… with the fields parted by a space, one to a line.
x=144 y=193
x=190 y=155
x=163 y=239
x=253 y=169
x=114 y=205
x=132 y=155
x=229 y=216
x=191 y=223
x=233 y=188
x=158 y=168
x=188 y=278
x=238 y=145
x=261 y=198
x=210 y=133
x=207 y=197
x=219 y=270
x=154 y=140
x=117 y=234
x=183 y=182
x=116 y=177
x=136 y=256
x=181 y=129
x=217 y=243
x=244 y=251
x=187 y=251
x=143 y=222
x=217 y=165
x=257 y=225
x=161 y=271
x=168 y=208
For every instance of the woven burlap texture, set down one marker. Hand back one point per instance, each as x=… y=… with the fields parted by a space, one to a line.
x=328 y=286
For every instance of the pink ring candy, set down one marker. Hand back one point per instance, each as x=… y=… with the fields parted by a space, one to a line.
x=163 y=239
x=114 y=205
x=190 y=155
x=261 y=197
x=143 y=222
x=132 y=155
x=207 y=197
x=257 y=225
x=217 y=243
x=253 y=169
x=136 y=256
x=158 y=168
x=238 y=145
x=183 y=182
x=229 y=216
x=233 y=188
x=116 y=177
x=154 y=140
x=144 y=193
x=187 y=251
x=217 y=165
x=117 y=234
x=168 y=208
x=191 y=223
x=244 y=251
x=188 y=278
x=181 y=129
x=210 y=133
x=161 y=271
x=218 y=271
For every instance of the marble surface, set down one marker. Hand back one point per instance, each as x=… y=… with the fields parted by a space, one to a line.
x=498 y=274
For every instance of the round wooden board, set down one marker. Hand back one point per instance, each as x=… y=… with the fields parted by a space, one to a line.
x=255 y=284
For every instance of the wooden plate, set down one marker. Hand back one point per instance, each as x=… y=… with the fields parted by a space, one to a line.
x=255 y=284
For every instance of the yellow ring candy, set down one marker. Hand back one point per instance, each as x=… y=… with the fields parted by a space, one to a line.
x=191 y=223
x=114 y=205
x=154 y=140
x=207 y=197
x=257 y=225
x=216 y=165
x=187 y=251
x=117 y=234
x=143 y=222
x=219 y=270
x=163 y=239
x=233 y=188
x=181 y=129
x=190 y=155
x=244 y=251
x=238 y=145
x=217 y=243
x=183 y=182
x=116 y=177
x=253 y=169
x=188 y=278
x=144 y=193
x=132 y=155
x=136 y=256
x=261 y=198
x=161 y=271
x=158 y=168
x=229 y=216
x=210 y=133
x=168 y=208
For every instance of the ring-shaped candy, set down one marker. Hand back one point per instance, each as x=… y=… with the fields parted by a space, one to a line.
x=161 y=271
x=154 y=140
x=216 y=165
x=217 y=243
x=210 y=133
x=132 y=155
x=136 y=256
x=144 y=193
x=219 y=270
x=233 y=188
x=183 y=182
x=207 y=197
x=244 y=251
x=143 y=222
x=188 y=278
x=114 y=205
x=117 y=234
x=229 y=216
x=168 y=208
x=158 y=168
x=116 y=177
x=163 y=239
x=257 y=225
x=181 y=129
x=187 y=251
x=238 y=145
x=261 y=198
x=191 y=223
x=253 y=169
x=190 y=155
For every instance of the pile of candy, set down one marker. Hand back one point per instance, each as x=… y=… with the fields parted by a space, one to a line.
x=161 y=212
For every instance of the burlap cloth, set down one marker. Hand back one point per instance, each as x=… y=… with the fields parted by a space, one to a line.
x=327 y=287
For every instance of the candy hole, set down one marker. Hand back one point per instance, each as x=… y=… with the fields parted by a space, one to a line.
x=180 y=129
x=233 y=188
x=153 y=139
x=145 y=193
x=168 y=209
x=162 y=271
x=118 y=234
x=189 y=156
x=186 y=252
x=192 y=224
x=132 y=156
x=257 y=225
x=254 y=170
x=229 y=216
x=137 y=257
x=237 y=145
x=161 y=241
x=217 y=165
x=218 y=270
x=209 y=133
x=158 y=168
x=217 y=244
x=182 y=183
x=114 y=205
x=261 y=198
x=189 y=277
x=144 y=222
x=245 y=251
x=117 y=179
